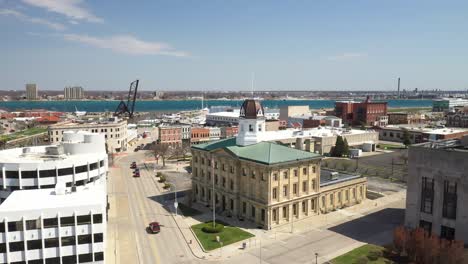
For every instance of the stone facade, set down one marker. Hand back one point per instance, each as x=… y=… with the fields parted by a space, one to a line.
x=437 y=190
x=268 y=195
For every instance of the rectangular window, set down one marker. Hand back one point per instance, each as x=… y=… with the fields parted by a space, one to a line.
x=295 y=173
x=263 y=215
x=68 y=241
x=50 y=222
x=82 y=258
x=28 y=174
x=15 y=226
x=81 y=169
x=12 y=174
x=47 y=173
x=65 y=171
x=84 y=239
x=244 y=172
x=231 y=169
x=34 y=244
x=67 y=221
x=83 y=219
x=449 y=208
x=313 y=169
x=51 y=242
x=274 y=211
x=304 y=171
x=295 y=188
x=304 y=207
x=98 y=238
x=224 y=182
x=313 y=185
x=427 y=226
x=33 y=224
x=253 y=174
x=447 y=233
x=275 y=176
x=285 y=212
x=244 y=207
x=252 y=211
x=294 y=209
x=274 y=193
x=304 y=186
x=285 y=190
x=231 y=184
x=312 y=204
x=16 y=246
x=427 y=195
x=285 y=174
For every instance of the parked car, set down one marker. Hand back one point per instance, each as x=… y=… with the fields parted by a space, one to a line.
x=134 y=165
x=136 y=173
x=154 y=228
x=137 y=148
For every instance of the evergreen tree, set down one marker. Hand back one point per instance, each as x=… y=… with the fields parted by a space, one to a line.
x=406 y=138
x=339 y=147
x=345 y=148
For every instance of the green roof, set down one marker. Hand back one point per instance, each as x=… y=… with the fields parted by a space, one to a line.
x=263 y=152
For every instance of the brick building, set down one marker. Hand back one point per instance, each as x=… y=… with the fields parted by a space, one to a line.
x=200 y=135
x=357 y=113
x=171 y=135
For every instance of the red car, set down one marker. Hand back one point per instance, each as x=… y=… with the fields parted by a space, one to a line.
x=154 y=228
x=136 y=173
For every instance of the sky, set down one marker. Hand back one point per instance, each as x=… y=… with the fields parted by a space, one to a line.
x=216 y=45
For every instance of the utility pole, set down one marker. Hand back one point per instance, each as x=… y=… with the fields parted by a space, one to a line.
x=213 y=194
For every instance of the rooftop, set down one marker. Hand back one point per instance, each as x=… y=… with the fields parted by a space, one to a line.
x=234 y=113
x=328 y=177
x=26 y=200
x=263 y=152
x=438 y=131
x=448 y=144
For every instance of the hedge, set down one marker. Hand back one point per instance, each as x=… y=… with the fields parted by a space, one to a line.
x=208 y=228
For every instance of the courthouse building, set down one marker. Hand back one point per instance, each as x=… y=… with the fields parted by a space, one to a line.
x=265 y=182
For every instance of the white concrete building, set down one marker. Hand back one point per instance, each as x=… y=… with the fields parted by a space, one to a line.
x=55 y=207
x=223 y=118
x=113 y=129
x=79 y=159
x=31 y=92
x=215 y=133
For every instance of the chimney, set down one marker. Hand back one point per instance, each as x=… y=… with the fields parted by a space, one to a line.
x=398 y=87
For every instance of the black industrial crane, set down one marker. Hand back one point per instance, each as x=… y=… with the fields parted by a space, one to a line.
x=128 y=107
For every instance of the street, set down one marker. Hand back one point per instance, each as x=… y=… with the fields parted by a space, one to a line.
x=134 y=211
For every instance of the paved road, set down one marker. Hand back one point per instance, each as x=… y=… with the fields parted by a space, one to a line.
x=135 y=210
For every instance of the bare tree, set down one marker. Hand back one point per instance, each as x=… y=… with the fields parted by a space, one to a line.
x=161 y=151
x=178 y=151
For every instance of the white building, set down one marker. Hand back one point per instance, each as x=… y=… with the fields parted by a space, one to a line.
x=113 y=129
x=223 y=118
x=215 y=133
x=55 y=207
x=186 y=132
x=31 y=91
x=73 y=93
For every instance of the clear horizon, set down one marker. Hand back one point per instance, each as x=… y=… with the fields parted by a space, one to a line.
x=216 y=46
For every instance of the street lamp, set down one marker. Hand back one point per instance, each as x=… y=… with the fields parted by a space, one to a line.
x=316 y=258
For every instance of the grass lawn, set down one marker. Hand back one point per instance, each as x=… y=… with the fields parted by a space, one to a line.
x=188 y=211
x=360 y=252
x=27 y=132
x=391 y=146
x=228 y=236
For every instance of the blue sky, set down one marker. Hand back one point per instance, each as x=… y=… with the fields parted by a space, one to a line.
x=216 y=45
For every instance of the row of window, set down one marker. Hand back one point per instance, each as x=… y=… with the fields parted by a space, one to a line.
x=53 y=172
x=339 y=195
x=51 y=242
x=51 y=222
x=49 y=186
x=295 y=209
x=294 y=189
x=445 y=231
x=82 y=258
x=449 y=206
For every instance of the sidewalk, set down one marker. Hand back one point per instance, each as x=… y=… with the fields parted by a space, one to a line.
x=282 y=233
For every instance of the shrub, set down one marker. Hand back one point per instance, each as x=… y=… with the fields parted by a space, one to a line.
x=166 y=185
x=208 y=228
x=158 y=174
x=374 y=255
x=361 y=260
x=162 y=178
